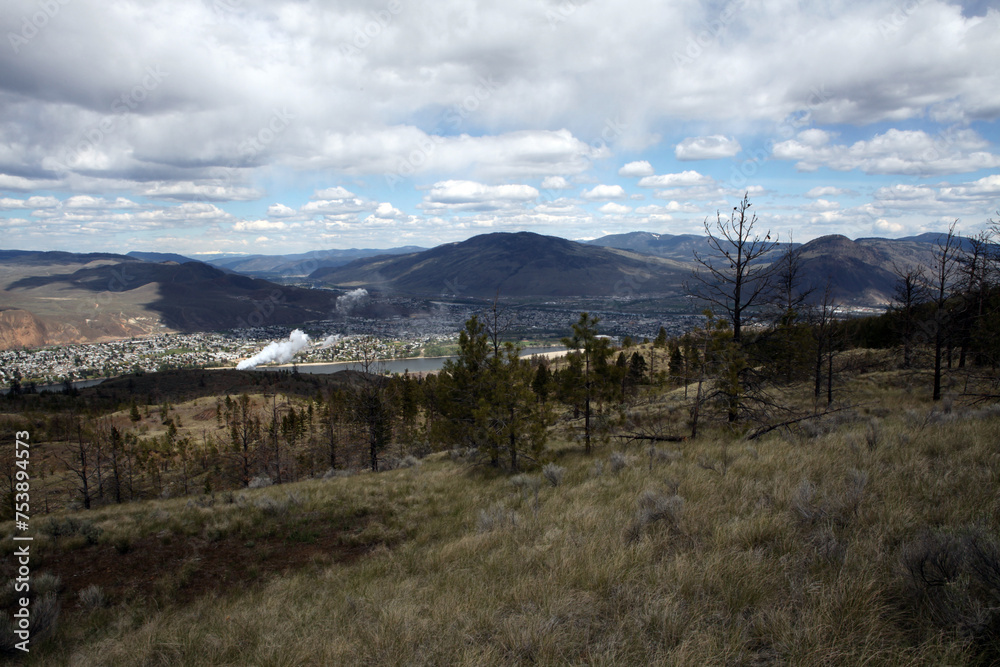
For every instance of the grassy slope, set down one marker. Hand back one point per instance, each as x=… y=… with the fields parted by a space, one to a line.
x=749 y=569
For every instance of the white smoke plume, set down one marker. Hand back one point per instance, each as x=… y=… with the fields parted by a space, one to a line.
x=351 y=300
x=329 y=340
x=277 y=352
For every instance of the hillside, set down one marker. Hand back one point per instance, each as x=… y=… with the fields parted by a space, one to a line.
x=860 y=272
x=679 y=247
x=160 y=257
x=518 y=264
x=867 y=536
x=301 y=264
x=56 y=298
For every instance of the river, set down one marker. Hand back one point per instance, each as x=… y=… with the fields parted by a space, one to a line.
x=412 y=365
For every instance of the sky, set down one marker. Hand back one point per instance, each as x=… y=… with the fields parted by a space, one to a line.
x=281 y=126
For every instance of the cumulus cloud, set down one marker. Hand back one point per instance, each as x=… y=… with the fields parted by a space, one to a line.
x=188 y=191
x=473 y=196
x=985 y=189
x=909 y=152
x=707 y=148
x=612 y=208
x=281 y=211
x=604 y=192
x=336 y=192
x=258 y=225
x=556 y=183
x=36 y=202
x=827 y=191
x=682 y=179
x=194 y=102
x=637 y=168
x=334 y=207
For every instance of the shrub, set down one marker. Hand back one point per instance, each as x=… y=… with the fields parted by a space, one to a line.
x=553 y=473
x=45 y=583
x=70 y=526
x=803 y=505
x=259 y=482
x=409 y=461
x=271 y=507
x=655 y=507
x=617 y=462
x=954 y=580
x=91 y=532
x=527 y=484
x=873 y=435
x=122 y=543
x=496 y=517
x=92 y=597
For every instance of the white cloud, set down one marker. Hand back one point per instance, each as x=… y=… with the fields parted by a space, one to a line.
x=985 y=189
x=683 y=179
x=707 y=148
x=97 y=203
x=604 y=192
x=188 y=191
x=904 y=152
x=36 y=202
x=258 y=225
x=336 y=192
x=238 y=104
x=473 y=196
x=387 y=211
x=886 y=227
x=281 y=211
x=612 y=208
x=823 y=205
x=335 y=206
x=556 y=183
x=638 y=168
x=827 y=191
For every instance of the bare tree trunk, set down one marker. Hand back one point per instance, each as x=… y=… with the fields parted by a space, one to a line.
x=942 y=277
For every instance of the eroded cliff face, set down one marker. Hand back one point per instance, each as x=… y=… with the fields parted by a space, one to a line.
x=22 y=329
x=19 y=328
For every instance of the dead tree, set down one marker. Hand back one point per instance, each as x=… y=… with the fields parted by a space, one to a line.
x=944 y=270
x=911 y=291
x=733 y=276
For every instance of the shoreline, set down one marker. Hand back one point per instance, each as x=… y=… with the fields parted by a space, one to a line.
x=526 y=353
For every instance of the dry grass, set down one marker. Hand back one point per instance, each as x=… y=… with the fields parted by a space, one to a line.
x=802 y=552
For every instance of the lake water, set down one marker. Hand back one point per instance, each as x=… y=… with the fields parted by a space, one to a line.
x=414 y=365
x=79 y=384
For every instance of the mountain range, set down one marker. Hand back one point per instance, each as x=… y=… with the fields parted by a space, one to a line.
x=58 y=298
x=521 y=264
x=62 y=297
x=524 y=264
